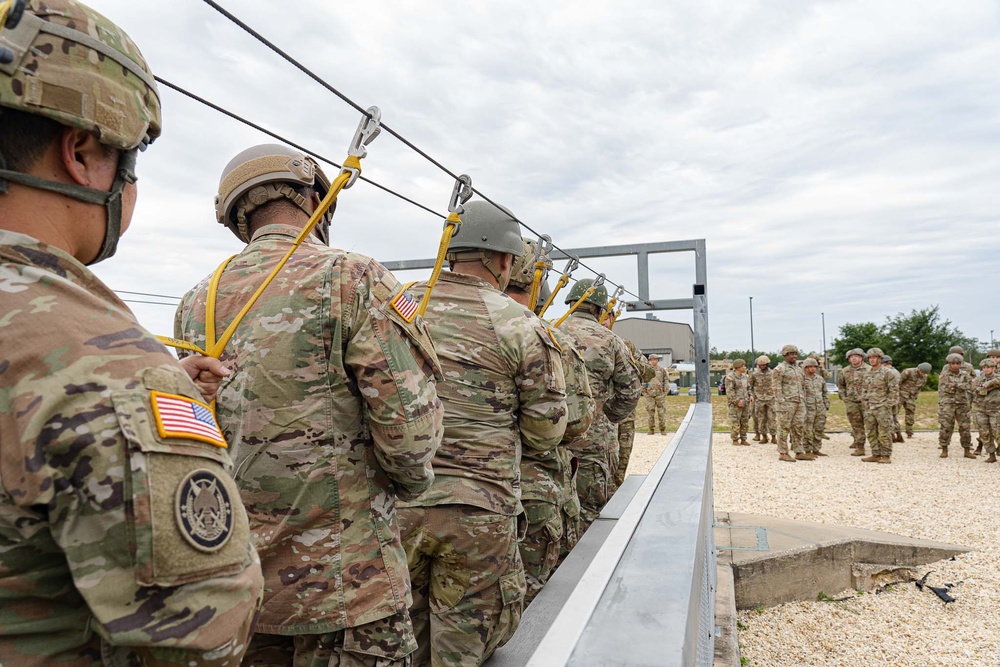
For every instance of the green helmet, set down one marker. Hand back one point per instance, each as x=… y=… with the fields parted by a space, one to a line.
x=599 y=298
x=924 y=367
x=886 y=359
x=64 y=61
x=486 y=229
x=956 y=349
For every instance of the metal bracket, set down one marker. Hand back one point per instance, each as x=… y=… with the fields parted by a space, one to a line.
x=368 y=128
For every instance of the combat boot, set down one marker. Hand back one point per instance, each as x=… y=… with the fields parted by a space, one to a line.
x=824 y=436
x=871 y=459
x=899 y=437
x=774 y=439
x=968 y=453
x=909 y=434
x=944 y=453
x=756 y=437
x=858 y=451
x=804 y=456
x=783 y=456
x=979 y=449
x=883 y=459
x=735 y=441
x=992 y=459
x=744 y=442
x=819 y=454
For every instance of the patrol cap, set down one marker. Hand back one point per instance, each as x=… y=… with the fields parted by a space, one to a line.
x=956 y=349
x=874 y=352
x=809 y=363
x=739 y=363
x=987 y=362
x=789 y=349
x=925 y=367
x=763 y=359
x=953 y=358
x=599 y=298
x=858 y=351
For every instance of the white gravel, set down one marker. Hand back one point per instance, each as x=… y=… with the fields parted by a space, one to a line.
x=951 y=500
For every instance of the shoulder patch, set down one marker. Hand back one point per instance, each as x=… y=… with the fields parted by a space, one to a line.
x=182 y=417
x=405 y=305
x=204 y=510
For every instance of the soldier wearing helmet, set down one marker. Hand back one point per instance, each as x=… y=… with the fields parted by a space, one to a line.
x=879 y=397
x=817 y=403
x=325 y=442
x=655 y=389
x=911 y=381
x=789 y=388
x=614 y=381
x=505 y=394
x=849 y=384
x=548 y=486
x=124 y=538
x=897 y=433
x=738 y=397
x=763 y=399
x=954 y=404
x=986 y=402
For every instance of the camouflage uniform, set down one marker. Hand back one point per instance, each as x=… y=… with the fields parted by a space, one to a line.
x=504 y=388
x=897 y=433
x=737 y=390
x=655 y=390
x=626 y=428
x=879 y=395
x=910 y=384
x=953 y=406
x=849 y=384
x=614 y=383
x=332 y=412
x=789 y=390
x=986 y=401
x=817 y=402
x=107 y=548
x=548 y=485
x=762 y=389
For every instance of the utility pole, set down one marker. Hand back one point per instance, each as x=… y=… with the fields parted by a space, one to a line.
x=992 y=345
x=751 y=332
x=826 y=364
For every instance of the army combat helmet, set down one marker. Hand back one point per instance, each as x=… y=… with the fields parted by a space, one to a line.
x=599 y=298
x=265 y=173
x=522 y=273
x=486 y=229
x=68 y=63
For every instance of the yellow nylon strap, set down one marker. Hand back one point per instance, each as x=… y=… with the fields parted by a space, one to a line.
x=449 y=229
x=213 y=294
x=536 y=285
x=572 y=309
x=563 y=281
x=4 y=10
x=607 y=311
x=180 y=344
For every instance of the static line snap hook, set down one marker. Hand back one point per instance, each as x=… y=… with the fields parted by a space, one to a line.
x=598 y=281
x=368 y=128
x=618 y=293
x=460 y=193
x=544 y=247
x=572 y=265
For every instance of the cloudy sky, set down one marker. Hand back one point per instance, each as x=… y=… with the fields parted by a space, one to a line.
x=838 y=157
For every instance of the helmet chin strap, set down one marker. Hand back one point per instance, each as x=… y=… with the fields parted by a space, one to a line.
x=110 y=200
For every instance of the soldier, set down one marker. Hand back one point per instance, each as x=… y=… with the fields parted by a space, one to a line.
x=505 y=392
x=655 y=390
x=849 y=384
x=820 y=368
x=614 y=383
x=548 y=487
x=994 y=354
x=763 y=399
x=626 y=428
x=879 y=396
x=738 y=397
x=323 y=438
x=910 y=383
x=817 y=403
x=789 y=392
x=124 y=541
x=986 y=400
x=897 y=433
x=953 y=405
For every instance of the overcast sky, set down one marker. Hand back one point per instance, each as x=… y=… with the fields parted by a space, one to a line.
x=838 y=157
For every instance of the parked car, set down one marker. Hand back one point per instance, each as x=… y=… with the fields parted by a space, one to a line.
x=831 y=388
x=722 y=387
x=672 y=389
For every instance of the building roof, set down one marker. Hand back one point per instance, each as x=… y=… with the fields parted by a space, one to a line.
x=658 y=336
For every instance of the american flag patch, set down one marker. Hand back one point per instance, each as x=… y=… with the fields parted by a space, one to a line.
x=182 y=417
x=405 y=305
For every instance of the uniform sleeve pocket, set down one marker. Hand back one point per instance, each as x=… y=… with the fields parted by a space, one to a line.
x=553 y=360
x=185 y=520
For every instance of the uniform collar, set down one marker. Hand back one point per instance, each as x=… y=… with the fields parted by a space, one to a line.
x=465 y=279
x=283 y=231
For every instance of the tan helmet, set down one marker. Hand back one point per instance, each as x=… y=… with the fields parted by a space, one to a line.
x=924 y=367
x=874 y=352
x=988 y=362
x=858 y=351
x=789 y=349
x=654 y=356
x=953 y=358
x=993 y=353
x=763 y=359
x=810 y=362
x=956 y=349
x=739 y=363
x=62 y=60
x=523 y=272
x=266 y=173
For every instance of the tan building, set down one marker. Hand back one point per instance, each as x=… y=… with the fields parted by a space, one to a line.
x=671 y=340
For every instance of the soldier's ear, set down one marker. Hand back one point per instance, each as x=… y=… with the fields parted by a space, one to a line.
x=85 y=160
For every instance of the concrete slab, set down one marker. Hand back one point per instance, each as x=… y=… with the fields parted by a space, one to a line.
x=778 y=560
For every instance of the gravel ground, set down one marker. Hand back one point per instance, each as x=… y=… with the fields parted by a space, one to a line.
x=950 y=500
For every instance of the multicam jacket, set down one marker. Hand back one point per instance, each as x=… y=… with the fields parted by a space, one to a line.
x=880 y=388
x=105 y=543
x=896 y=375
x=815 y=392
x=658 y=385
x=850 y=381
x=332 y=414
x=985 y=394
x=954 y=388
x=645 y=369
x=737 y=389
x=910 y=383
x=789 y=383
x=761 y=385
x=504 y=388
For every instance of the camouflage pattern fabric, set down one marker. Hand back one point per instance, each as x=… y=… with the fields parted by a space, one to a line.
x=910 y=384
x=655 y=390
x=468 y=582
x=614 y=382
x=504 y=393
x=986 y=403
x=895 y=407
x=849 y=387
x=332 y=414
x=626 y=427
x=383 y=643
x=954 y=390
x=738 y=391
x=789 y=392
x=879 y=396
x=541 y=545
x=762 y=390
x=103 y=551
x=817 y=403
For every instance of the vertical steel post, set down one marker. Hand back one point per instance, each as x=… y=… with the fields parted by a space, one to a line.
x=703 y=387
x=752 y=357
x=825 y=364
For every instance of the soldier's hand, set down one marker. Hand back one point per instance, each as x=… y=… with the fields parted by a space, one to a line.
x=207 y=374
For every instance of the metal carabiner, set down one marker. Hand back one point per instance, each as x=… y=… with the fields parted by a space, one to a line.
x=572 y=265
x=544 y=246
x=460 y=193
x=618 y=293
x=368 y=128
x=598 y=281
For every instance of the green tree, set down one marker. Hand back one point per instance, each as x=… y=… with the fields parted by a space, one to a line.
x=862 y=334
x=924 y=336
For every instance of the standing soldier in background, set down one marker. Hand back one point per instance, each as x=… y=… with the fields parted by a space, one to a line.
x=614 y=382
x=954 y=388
x=738 y=397
x=817 y=403
x=761 y=383
x=789 y=392
x=849 y=384
x=655 y=390
x=911 y=381
x=986 y=400
x=323 y=437
x=879 y=396
x=123 y=538
x=548 y=488
x=897 y=433
x=820 y=368
x=626 y=428
x=505 y=391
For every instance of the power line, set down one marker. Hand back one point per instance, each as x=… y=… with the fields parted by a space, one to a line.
x=158 y=296
x=318 y=79
x=152 y=303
